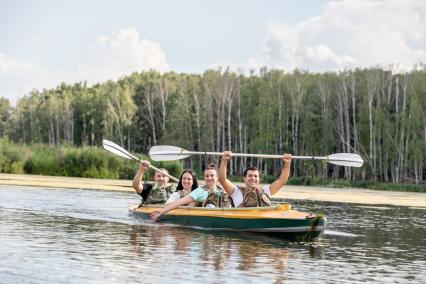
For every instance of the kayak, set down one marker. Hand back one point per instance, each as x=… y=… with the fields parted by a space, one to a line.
x=277 y=221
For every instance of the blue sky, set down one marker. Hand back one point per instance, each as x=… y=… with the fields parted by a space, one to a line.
x=43 y=42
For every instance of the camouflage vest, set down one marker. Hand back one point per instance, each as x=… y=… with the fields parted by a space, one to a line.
x=158 y=194
x=255 y=197
x=217 y=197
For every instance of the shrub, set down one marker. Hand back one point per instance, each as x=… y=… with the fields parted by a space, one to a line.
x=42 y=161
x=12 y=157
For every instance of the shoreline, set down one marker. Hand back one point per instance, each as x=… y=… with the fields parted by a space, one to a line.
x=288 y=192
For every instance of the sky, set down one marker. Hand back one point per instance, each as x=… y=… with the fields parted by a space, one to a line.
x=46 y=42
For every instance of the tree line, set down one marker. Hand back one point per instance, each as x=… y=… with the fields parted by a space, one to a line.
x=372 y=112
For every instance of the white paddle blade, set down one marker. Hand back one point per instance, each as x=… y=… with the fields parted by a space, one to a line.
x=346 y=159
x=115 y=149
x=167 y=153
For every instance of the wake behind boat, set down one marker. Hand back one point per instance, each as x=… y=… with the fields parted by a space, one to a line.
x=278 y=221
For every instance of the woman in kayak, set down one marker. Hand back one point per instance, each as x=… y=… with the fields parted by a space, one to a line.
x=187 y=183
x=208 y=195
x=252 y=194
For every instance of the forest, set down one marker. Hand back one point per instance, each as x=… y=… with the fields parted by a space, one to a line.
x=372 y=112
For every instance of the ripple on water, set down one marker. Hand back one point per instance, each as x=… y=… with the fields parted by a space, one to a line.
x=81 y=236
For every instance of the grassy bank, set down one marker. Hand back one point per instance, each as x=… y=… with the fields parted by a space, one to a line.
x=94 y=162
x=69 y=161
x=340 y=183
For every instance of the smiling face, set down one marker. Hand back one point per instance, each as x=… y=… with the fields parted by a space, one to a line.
x=210 y=178
x=252 y=178
x=187 y=181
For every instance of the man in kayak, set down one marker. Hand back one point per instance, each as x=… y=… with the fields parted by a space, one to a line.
x=208 y=195
x=153 y=193
x=252 y=194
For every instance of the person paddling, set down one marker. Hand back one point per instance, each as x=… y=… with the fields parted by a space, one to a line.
x=208 y=195
x=252 y=194
x=153 y=193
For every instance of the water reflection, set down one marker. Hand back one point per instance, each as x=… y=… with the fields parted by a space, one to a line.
x=220 y=253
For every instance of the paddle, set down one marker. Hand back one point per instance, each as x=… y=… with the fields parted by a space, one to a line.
x=120 y=151
x=170 y=153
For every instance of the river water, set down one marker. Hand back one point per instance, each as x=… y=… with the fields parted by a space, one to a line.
x=87 y=236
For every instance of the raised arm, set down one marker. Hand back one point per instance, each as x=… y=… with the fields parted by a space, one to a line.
x=228 y=186
x=137 y=180
x=285 y=173
x=173 y=205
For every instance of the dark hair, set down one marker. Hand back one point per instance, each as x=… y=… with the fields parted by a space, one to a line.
x=250 y=169
x=194 y=179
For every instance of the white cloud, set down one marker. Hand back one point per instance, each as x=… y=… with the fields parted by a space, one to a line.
x=8 y=65
x=122 y=54
x=18 y=78
x=349 y=33
x=111 y=57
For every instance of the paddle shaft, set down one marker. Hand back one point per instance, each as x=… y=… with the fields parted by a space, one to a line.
x=154 y=168
x=265 y=156
x=164 y=173
x=130 y=156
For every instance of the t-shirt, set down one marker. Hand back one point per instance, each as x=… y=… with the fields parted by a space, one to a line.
x=238 y=196
x=176 y=196
x=200 y=194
